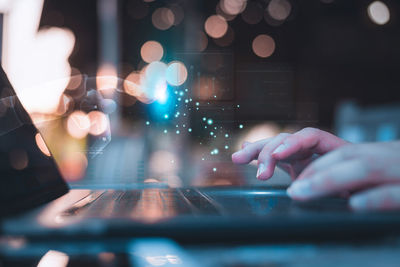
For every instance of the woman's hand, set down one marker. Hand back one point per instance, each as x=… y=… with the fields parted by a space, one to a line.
x=292 y=152
x=370 y=173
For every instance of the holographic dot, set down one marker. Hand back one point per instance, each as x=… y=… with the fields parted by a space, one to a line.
x=166 y=116
x=181 y=93
x=226 y=135
x=202 y=158
x=204 y=118
x=197 y=103
x=211 y=133
x=147 y=123
x=209 y=121
x=186 y=100
x=197 y=108
x=241 y=126
x=186 y=90
x=238 y=106
x=190 y=130
x=177 y=132
x=179 y=99
x=184 y=126
x=215 y=151
x=226 y=147
x=165 y=131
x=214 y=169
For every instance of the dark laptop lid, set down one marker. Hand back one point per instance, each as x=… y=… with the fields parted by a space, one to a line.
x=27 y=176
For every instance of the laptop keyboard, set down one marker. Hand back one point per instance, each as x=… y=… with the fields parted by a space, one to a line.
x=146 y=204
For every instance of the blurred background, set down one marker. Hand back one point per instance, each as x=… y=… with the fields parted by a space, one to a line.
x=127 y=92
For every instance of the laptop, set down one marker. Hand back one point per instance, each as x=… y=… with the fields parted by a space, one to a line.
x=36 y=202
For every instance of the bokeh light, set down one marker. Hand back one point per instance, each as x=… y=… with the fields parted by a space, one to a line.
x=263 y=45
x=233 y=7
x=379 y=12
x=106 y=79
x=73 y=166
x=151 y=51
x=18 y=159
x=220 y=12
x=78 y=124
x=178 y=13
x=253 y=13
x=98 y=122
x=176 y=73
x=163 y=18
x=216 y=26
x=42 y=145
x=279 y=9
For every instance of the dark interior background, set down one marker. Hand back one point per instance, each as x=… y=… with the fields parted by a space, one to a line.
x=333 y=51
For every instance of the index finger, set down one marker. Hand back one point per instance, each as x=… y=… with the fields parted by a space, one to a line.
x=249 y=152
x=307 y=142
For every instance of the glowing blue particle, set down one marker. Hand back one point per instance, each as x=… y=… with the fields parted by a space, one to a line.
x=204 y=118
x=214 y=169
x=181 y=93
x=147 y=123
x=205 y=127
x=177 y=126
x=166 y=116
x=186 y=100
x=177 y=132
x=215 y=128
x=241 y=126
x=197 y=103
x=190 y=130
x=238 y=106
x=190 y=100
x=183 y=125
x=179 y=99
x=197 y=108
x=209 y=121
x=215 y=96
x=226 y=147
x=226 y=135
x=215 y=151
x=186 y=90
x=165 y=131
x=176 y=92
x=202 y=158
x=211 y=133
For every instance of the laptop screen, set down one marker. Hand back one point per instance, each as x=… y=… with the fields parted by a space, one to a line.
x=28 y=177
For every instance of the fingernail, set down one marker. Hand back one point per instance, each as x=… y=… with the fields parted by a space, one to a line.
x=300 y=189
x=261 y=169
x=279 y=149
x=358 y=203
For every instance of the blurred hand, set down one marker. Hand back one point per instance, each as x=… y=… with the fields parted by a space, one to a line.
x=370 y=173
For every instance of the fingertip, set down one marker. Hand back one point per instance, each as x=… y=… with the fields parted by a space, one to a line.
x=238 y=158
x=264 y=172
x=358 y=203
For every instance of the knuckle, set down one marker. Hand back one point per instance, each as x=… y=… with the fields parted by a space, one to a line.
x=283 y=135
